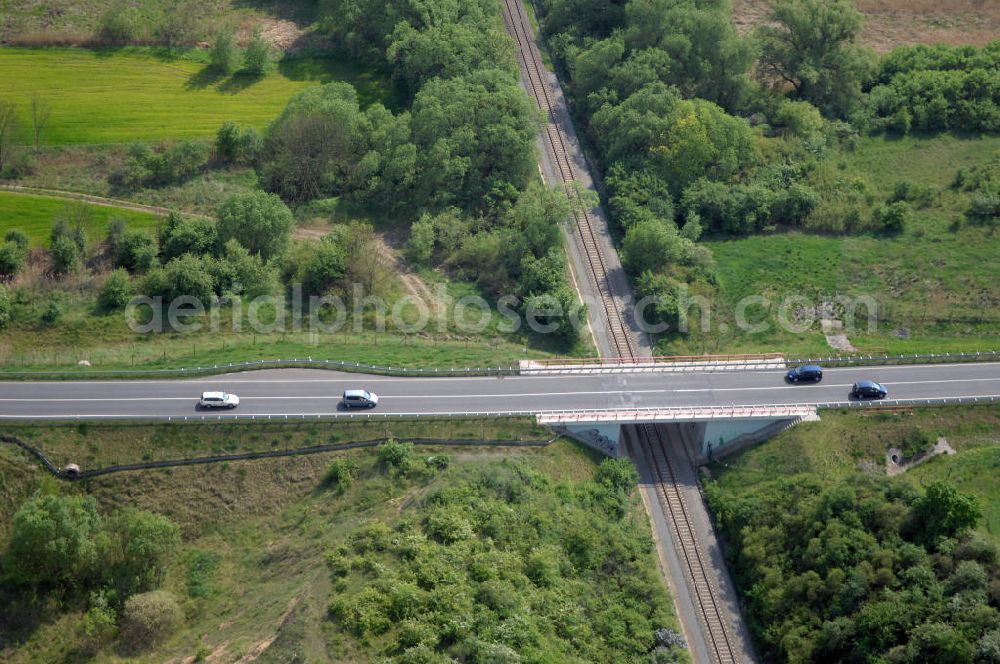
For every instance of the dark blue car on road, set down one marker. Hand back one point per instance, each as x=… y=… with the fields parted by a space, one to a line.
x=868 y=389
x=806 y=373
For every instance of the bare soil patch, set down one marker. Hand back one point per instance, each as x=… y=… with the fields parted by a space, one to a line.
x=892 y=23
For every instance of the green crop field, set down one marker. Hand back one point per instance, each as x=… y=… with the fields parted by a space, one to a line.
x=116 y=96
x=35 y=214
x=935 y=283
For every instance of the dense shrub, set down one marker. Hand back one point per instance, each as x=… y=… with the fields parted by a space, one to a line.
x=12 y=260
x=857 y=570
x=260 y=222
x=393 y=454
x=116 y=290
x=186 y=275
x=224 y=54
x=256 y=55
x=167 y=165
x=936 y=88
x=135 y=251
x=188 y=235
x=485 y=567
x=120 y=23
x=238 y=146
x=18 y=237
x=341 y=473
x=51 y=314
x=325 y=266
x=148 y=619
x=65 y=255
x=6 y=307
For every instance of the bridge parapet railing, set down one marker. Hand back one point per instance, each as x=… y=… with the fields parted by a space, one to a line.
x=694 y=363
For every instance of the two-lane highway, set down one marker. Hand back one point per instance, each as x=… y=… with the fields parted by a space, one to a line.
x=280 y=392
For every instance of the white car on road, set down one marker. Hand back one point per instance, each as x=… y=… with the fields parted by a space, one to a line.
x=218 y=400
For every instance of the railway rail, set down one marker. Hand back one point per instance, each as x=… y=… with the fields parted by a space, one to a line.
x=621 y=337
x=652 y=446
x=532 y=67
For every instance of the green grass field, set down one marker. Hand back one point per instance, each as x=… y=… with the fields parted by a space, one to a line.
x=936 y=282
x=117 y=96
x=35 y=215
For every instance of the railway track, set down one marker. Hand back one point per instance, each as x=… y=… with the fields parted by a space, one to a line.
x=648 y=437
x=518 y=24
x=671 y=498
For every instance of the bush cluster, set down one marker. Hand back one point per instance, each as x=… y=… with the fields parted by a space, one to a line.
x=506 y=565
x=863 y=570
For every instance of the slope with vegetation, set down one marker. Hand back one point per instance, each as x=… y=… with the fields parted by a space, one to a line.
x=837 y=562
x=399 y=553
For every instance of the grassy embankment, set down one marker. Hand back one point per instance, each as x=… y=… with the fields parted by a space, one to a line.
x=935 y=283
x=848 y=444
x=252 y=575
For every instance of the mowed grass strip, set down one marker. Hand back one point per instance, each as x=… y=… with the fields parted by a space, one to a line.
x=35 y=216
x=122 y=96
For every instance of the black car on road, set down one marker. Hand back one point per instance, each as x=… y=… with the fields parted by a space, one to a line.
x=868 y=389
x=806 y=373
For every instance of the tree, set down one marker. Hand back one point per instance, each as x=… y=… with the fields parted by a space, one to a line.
x=189 y=235
x=65 y=255
x=651 y=246
x=259 y=221
x=135 y=251
x=149 y=618
x=120 y=23
x=223 y=55
x=326 y=265
x=420 y=246
x=5 y=307
x=239 y=271
x=8 y=127
x=52 y=542
x=41 y=111
x=539 y=215
x=943 y=512
x=185 y=275
x=18 y=237
x=809 y=45
x=317 y=143
x=228 y=143
x=255 y=57
x=116 y=290
x=365 y=261
x=473 y=135
x=136 y=548
x=12 y=260
x=707 y=58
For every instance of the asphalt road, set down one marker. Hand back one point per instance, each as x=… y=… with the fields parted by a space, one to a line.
x=315 y=392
